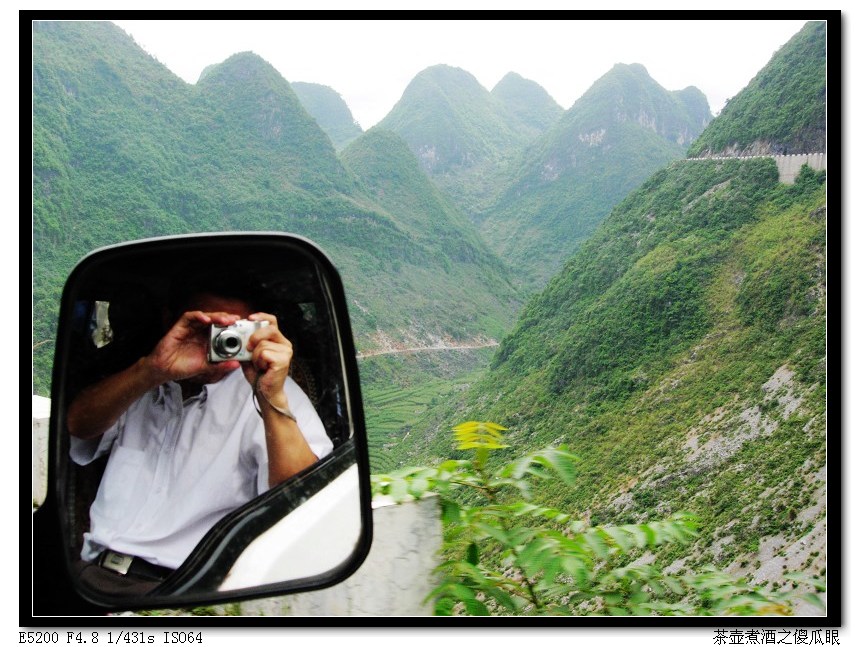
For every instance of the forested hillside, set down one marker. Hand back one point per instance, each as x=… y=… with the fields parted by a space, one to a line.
x=619 y=132
x=330 y=111
x=124 y=150
x=528 y=102
x=681 y=354
x=463 y=134
x=783 y=110
x=398 y=386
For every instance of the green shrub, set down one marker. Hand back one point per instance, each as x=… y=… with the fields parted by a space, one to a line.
x=505 y=555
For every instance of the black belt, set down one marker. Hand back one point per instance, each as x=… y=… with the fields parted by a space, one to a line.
x=130 y=565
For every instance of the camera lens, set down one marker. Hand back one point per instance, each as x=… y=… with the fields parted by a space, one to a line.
x=227 y=343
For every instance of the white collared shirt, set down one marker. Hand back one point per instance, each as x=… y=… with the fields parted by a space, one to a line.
x=176 y=468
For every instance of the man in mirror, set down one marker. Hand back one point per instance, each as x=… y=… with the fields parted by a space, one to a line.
x=189 y=439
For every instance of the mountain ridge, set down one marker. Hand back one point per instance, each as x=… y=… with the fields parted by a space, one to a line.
x=124 y=150
x=330 y=111
x=750 y=124
x=623 y=128
x=462 y=133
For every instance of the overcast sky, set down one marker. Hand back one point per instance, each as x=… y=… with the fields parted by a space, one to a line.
x=370 y=62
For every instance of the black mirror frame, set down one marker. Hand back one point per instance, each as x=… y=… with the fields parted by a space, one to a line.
x=54 y=593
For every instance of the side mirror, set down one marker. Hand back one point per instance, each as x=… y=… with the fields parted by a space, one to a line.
x=310 y=531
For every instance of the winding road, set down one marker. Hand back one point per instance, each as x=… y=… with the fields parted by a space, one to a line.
x=419 y=349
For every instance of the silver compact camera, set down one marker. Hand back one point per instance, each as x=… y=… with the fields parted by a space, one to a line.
x=231 y=342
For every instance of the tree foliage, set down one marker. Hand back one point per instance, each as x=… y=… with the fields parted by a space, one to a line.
x=505 y=554
x=783 y=110
x=330 y=111
x=567 y=181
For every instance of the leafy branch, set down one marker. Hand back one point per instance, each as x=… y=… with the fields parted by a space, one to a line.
x=510 y=555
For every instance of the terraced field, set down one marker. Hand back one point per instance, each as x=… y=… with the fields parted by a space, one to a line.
x=394 y=410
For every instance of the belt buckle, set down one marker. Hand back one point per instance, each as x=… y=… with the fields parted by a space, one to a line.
x=117 y=562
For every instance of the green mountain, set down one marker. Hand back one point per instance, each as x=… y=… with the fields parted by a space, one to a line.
x=783 y=110
x=330 y=111
x=618 y=133
x=244 y=111
x=528 y=102
x=124 y=150
x=681 y=353
x=443 y=241
x=462 y=134
x=390 y=173
x=397 y=386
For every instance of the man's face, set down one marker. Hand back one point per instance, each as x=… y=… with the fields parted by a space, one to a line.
x=207 y=302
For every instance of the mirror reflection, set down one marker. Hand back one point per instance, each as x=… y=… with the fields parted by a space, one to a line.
x=204 y=387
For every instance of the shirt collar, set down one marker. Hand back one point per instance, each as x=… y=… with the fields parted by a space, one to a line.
x=173 y=391
x=159 y=395
x=201 y=397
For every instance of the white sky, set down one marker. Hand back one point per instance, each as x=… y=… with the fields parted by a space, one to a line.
x=370 y=62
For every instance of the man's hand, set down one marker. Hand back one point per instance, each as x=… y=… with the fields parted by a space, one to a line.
x=183 y=352
x=271 y=356
x=181 y=355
